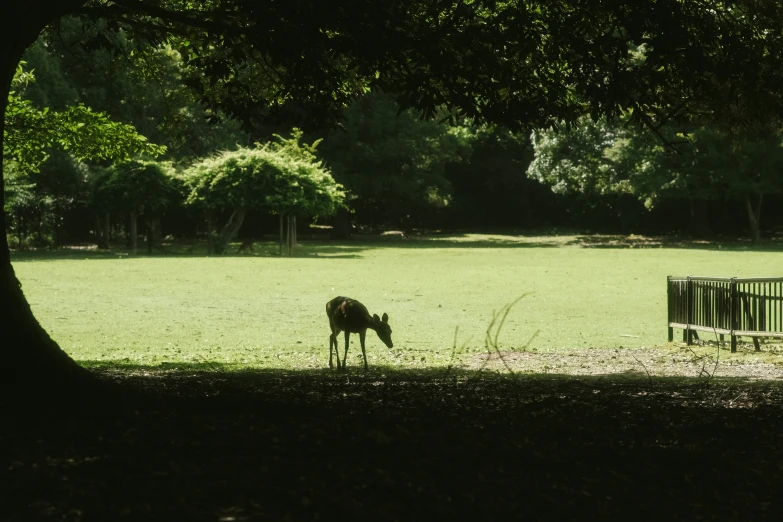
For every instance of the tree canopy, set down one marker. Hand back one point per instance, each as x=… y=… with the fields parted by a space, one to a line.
x=283 y=176
x=518 y=63
x=393 y=161
x=607 y=157
x=85 y=134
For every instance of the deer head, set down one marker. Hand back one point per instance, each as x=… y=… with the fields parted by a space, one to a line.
x=383 y=329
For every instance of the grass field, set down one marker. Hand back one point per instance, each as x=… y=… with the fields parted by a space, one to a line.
x=265 y=311
x=285 y=439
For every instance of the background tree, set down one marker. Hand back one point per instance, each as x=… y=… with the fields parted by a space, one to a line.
x=392 y=161
x=29 y=132
x=489 y=185
x=283 y=177
x=136 y=188
x=703 y=164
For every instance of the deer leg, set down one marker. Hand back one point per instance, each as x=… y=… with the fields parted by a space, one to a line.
x=364 y=354
x=345 y=355
x=333 y=342
x=331 y=353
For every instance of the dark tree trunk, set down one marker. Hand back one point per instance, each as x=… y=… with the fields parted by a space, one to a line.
x=281 y=234
x=107 y=229
x=754 y=217
x=292 y=234
x=152 y=233
x=32 y=366
x=230 y=230
x=103 y=230
x=210 y=239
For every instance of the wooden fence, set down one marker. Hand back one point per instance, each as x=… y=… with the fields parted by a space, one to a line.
x=725 y=306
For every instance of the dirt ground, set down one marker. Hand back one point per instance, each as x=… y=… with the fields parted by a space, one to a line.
x=674 y=360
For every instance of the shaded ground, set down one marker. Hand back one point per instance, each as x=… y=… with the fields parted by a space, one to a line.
x=704 y=359
x=429 y=445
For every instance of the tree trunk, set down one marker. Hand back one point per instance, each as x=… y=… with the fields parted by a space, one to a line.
x=210 y=239
x=133 y=231
x=99 y=232
x=151 y=226
x=103 y=230
x=754 y=217
x=293 y=232
x=281 y=234
x=230 y=230
x=290 y=234
x=107 y=229
x=34 y=371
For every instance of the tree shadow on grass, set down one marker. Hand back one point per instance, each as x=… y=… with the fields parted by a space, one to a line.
x=353 y=249
x=633 y=241
x=209 y=443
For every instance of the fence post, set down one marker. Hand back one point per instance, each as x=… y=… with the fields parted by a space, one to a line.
x=733 y=312
x=669 y=307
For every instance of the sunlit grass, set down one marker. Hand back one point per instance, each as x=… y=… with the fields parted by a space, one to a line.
x=265 y=311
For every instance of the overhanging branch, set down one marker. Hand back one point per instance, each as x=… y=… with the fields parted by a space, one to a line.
x=124 y=10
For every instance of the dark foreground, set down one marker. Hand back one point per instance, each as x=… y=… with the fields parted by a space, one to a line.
x=271 y=446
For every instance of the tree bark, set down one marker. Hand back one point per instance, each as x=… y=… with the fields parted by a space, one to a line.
x=210 y=239
x=103 y=230
x=33 y=369
x=281 y=234
x=754 y=217
x=290 y=234
x=107 y=229
x=293 y=232
x=230 y=230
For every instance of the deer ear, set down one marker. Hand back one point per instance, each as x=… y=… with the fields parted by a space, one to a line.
x=385 y=318
x=375 y=318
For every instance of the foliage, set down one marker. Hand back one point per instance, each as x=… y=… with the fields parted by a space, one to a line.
x=574 y=159
x=136 y=81
x=392 y=161
x=85 y=134
x=522 y=64
x=145 y=187
x=606 y=157
x=489 y=185
x=36 y=202
x=283 y=176
x=18 y=187
x=531 y=63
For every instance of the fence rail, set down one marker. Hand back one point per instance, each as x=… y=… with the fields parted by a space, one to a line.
x=751 y=307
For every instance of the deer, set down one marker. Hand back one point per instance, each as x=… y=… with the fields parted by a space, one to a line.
x=350 y=316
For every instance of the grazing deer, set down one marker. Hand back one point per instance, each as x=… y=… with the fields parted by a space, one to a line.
x=351 y=316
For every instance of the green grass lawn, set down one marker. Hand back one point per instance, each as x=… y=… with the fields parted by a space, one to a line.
x=265 y=311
